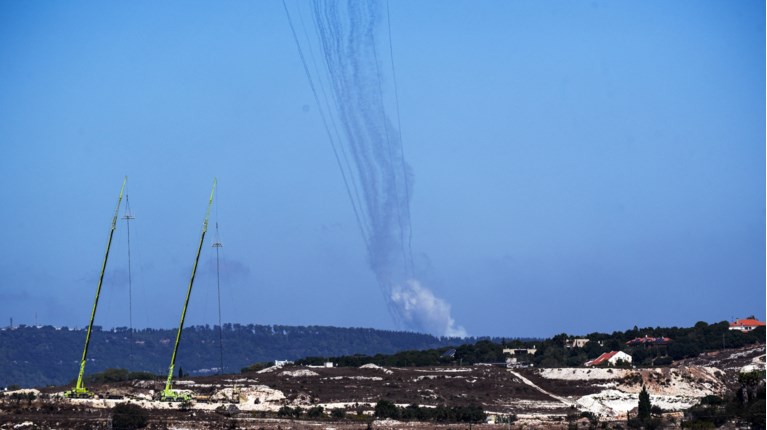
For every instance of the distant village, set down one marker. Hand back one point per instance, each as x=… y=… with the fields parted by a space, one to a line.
x=519 y=357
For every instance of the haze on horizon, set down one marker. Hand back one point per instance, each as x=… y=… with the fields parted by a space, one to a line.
x=576 y=167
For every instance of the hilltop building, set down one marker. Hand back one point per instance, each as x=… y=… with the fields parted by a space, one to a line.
x=576 y=343
x=611 y=358
x=519 y=357
x=649 y=341
x=746 y=324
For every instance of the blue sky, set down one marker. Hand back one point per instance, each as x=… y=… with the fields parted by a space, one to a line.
x=578 y=166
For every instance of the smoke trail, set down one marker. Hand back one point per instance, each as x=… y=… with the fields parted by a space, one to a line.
x=350 y=90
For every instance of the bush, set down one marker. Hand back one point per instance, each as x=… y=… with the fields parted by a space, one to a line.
x=287 y=411
x=129 y=416
x=338 y=413
x=255 y=367
x=711 y=399
x=117 y=375
x=755 y=414
x=386 y=409
x=315 y=412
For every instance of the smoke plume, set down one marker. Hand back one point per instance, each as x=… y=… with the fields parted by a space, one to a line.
x=348 y=62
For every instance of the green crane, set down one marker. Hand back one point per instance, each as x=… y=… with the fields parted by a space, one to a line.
x=79 y=391
x=169 y=395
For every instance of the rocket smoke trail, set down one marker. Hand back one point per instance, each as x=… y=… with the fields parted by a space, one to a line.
x=343 y=57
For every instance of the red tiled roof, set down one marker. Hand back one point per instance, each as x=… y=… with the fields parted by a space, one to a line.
x=747 y=322
x=601 y=359
x=647 y=339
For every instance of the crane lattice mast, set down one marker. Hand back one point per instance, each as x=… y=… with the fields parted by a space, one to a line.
x=169 y=394
x=79 y=390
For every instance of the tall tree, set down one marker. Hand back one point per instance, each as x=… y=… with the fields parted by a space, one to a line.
x=644 y=405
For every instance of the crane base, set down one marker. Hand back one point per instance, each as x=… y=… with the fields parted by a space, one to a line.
x=79 y=393
x=173 y=396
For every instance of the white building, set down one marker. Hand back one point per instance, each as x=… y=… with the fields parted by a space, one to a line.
x=612 y=357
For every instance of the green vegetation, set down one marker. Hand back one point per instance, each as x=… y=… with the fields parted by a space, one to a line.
x=255 y=367
x=118 y=375
x=288 y=412
x=745 y=406
x=552 y=352
x=315 y=412
x=33 y=357
x=685 y=343
x=484 y=351
x=465 y=414
x=44 y=356
x=648 y=416
x=644 y=410
x=129 y=416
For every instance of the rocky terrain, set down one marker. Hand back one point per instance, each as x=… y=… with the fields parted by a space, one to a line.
x=546 y=398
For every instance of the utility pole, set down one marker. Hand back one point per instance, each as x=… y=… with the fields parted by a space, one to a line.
x=128 y=217
x=218 y=245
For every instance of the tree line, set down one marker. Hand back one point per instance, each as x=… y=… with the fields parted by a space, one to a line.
x=40 y=356
x=685 y=342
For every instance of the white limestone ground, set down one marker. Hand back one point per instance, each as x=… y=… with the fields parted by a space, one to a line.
x=249 y=398
x=22 y=391
x=271 y=369
x=528 y=405
x=672 y=389
x=376 y=367
x=583 y=374
x=422 y=377
x=530 y=383
x=299 y=372
x=356 y=378
x=757 y=364
x=445 y=370
x=616 y=403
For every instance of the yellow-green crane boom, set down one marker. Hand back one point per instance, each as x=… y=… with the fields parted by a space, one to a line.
x=79 y=391
x=169 y=394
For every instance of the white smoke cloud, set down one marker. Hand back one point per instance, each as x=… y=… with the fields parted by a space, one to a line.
x=420 y=308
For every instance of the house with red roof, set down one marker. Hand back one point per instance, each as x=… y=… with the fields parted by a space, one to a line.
x=746 y=324
x=609 y=358
x=649 y=341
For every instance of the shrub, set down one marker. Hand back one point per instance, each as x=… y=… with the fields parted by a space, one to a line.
x=386 y=409
x=287 y=411
x=129 y=416
x=315 y=412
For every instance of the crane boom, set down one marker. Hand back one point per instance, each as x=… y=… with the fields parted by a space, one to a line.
x=79 y=391
x=169 y=394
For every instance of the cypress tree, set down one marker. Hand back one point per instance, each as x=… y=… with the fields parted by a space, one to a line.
x=645 y=407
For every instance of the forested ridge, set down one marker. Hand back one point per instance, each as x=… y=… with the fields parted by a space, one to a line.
x=682 y=343
x=46 y=355
x=37 y=356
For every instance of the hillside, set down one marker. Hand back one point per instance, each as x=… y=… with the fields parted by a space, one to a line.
x=40 y=356
x=386 y=397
